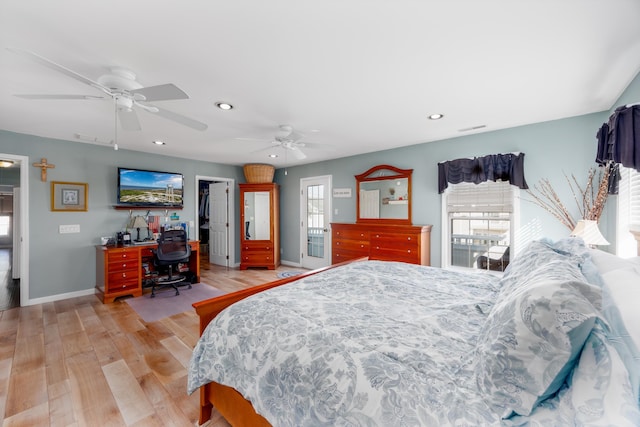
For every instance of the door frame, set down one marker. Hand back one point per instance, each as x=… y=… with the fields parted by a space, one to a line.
x=23 y=161
x=230 y=209
x=328 y=216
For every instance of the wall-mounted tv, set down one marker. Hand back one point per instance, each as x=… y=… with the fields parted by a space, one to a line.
x=137 y=187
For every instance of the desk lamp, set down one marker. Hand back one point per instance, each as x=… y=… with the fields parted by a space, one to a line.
x=138 y=223
x=588 y=230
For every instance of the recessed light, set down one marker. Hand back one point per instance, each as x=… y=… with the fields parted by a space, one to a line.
x=224 y=106
x=436 y=116
x=158 y=142
x=273 y=156
x=6 y=163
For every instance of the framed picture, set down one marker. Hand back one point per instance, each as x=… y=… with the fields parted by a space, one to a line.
x=69 y=196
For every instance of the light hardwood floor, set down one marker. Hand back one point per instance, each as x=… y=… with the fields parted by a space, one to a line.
x=79 y=362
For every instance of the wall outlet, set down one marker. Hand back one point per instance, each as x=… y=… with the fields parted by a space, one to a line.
x=71 y=228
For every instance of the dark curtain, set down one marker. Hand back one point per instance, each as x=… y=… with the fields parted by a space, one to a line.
x=619 y=142
x=505 y=167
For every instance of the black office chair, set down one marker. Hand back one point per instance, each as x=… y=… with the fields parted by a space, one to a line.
x=173 y=248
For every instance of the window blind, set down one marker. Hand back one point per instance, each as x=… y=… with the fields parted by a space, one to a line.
x=634 y=198
x=484 y=197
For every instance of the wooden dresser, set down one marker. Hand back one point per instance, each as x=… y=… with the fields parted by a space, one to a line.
x=407 y=243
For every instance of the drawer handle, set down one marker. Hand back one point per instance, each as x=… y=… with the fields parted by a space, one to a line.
x=124 y=255
x=361 y=234
x=124 y=265
x=268 y=248
x=377 y=247
x=362 y=246
x=337 y=243
x=377 y=235
x=408 y=251
x=124 y=275
x=408 y=238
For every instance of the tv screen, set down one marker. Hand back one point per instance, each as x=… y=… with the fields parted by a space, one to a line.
x=137 y=187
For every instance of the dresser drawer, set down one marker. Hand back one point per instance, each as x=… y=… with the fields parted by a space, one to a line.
x=410 y=255
x=350 y=234
x=345 y=255
x=351 y=245
x=124 y=264
x=258 y=257
x=118 y=255
x=394 y=241
x=259 y=246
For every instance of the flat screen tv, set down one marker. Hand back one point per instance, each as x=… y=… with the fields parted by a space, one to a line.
x=137 y=187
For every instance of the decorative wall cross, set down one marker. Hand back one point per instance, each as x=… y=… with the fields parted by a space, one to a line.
x=43 y=165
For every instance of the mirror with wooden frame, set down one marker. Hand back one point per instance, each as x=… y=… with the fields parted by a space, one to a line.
x=384 y=195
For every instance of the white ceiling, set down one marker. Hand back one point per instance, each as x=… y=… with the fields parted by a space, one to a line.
x=354 y=76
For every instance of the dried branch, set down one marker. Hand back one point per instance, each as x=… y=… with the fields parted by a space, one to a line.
x=590 y=203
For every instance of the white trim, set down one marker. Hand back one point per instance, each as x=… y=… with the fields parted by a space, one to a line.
x=24 y=225
x=59 y=297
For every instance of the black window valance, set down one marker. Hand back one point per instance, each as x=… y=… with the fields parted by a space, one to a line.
x=619 y=142
x=505 y=167
x=619 y=138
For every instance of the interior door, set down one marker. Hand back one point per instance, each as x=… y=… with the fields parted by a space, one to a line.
x=219 y=246
x=17 y=237
x=315 y=214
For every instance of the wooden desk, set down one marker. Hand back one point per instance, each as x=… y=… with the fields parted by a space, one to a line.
x=119 y=269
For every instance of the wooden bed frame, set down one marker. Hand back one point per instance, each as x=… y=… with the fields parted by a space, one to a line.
x=234 y=408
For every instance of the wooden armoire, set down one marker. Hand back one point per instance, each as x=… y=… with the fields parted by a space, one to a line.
x=260 y=226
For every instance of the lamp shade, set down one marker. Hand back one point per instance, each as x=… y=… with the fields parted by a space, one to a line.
x=138 y=222
x=589 y=232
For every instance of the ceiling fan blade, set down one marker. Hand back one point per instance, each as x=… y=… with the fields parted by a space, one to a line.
x=59 y=68
x=164 y=92
x=178 y=118
x=129 y=119
x=59 y=97
x=297 y=153
x=315 y=145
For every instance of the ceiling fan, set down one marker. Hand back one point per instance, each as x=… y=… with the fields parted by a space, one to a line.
x=288 y=139
x=120 y=85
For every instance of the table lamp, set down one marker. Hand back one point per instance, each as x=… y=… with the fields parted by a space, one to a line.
x=588 y=230
x=138 y=222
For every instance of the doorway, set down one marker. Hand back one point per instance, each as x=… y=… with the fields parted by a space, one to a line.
x=315 y=214
x=15 y=262
x=215 y=226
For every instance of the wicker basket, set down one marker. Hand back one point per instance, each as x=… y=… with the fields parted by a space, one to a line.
x=258 y=173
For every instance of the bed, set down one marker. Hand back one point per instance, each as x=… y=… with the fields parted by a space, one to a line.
x=554 y=341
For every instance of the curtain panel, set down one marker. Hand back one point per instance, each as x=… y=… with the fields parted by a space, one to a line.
x=619 y=142
x=505 y=167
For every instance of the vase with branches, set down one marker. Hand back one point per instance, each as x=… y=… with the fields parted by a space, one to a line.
x=590 y=199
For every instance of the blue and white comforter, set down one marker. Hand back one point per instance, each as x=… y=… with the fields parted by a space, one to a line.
x=370 y=343
x=391 y=344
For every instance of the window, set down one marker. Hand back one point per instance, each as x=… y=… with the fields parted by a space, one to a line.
x=628 y=211
x=5 y=225
x=479 y=224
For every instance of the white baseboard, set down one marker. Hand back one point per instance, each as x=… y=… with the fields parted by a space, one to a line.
x=290 y=263
x=59 y=297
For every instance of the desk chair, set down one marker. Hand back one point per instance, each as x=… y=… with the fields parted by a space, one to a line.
x=173 y=248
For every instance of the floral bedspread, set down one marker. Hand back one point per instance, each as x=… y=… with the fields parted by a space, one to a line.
x=370 y=343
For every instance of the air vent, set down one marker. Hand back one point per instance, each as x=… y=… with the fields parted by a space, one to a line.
x=472 y=128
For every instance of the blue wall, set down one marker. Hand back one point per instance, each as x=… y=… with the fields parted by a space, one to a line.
x=64 y=263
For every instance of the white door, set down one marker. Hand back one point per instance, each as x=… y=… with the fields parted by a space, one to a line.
x=17 y=237
x=315 y=215
x=219 y=246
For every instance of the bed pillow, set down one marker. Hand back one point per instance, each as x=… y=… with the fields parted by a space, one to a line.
x=535 y=331
x=621 y=293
